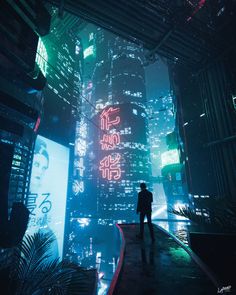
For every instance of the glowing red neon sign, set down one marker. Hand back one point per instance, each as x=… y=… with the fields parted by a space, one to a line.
x=110 y=165
x=109 y=141
x=107 y=118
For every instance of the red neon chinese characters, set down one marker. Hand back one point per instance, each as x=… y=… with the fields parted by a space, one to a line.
x=109 y=141
x=110 y=167
x=109 y=119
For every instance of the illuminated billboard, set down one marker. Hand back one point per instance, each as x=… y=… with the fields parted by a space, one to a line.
x=48 y=191
x=170 y=157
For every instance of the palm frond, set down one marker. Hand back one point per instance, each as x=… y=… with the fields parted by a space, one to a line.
x=187 y=212
x=35 y=273
x=222 y=215
x=31 y=253
x=64 y=276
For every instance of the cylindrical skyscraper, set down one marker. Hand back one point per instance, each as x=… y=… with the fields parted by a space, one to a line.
x=120 y=144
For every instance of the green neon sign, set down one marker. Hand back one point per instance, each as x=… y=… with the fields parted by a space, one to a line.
x=89 y=51
x=42 y=57
x=170 y=157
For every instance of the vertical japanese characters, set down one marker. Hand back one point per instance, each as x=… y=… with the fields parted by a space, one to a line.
x=110 y=164
x=80 y=154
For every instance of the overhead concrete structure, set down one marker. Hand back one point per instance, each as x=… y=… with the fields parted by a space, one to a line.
x=187 y=32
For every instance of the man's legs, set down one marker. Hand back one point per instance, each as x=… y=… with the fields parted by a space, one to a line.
x=141 y=218
x=149 y=219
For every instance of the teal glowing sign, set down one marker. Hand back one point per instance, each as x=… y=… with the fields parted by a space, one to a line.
x=170 y=157
x=42 y=57
x=89 y=51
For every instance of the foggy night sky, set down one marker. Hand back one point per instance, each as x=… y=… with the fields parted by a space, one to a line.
x=157 y=79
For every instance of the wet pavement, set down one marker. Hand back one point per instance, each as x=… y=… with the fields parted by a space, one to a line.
x=161 y=268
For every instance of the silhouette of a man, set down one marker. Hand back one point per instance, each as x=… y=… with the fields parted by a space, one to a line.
x=144 y=207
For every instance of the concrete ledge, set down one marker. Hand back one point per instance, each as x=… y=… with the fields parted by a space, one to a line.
x=165 y=267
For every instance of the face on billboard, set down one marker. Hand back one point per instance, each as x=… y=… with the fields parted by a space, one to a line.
x=40 y=165
x=48 y=190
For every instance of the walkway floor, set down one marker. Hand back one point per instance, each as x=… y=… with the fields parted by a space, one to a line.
x=161 y=268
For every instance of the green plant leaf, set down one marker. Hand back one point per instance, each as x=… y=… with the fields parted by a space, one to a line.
x=33 y=271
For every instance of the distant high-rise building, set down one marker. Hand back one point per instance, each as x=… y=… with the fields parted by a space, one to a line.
x=173 y=174
x=122 y=159
x=61 y=121
x=117 y=83
x=63 y=70
x=160 y=123
x=20 y=107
